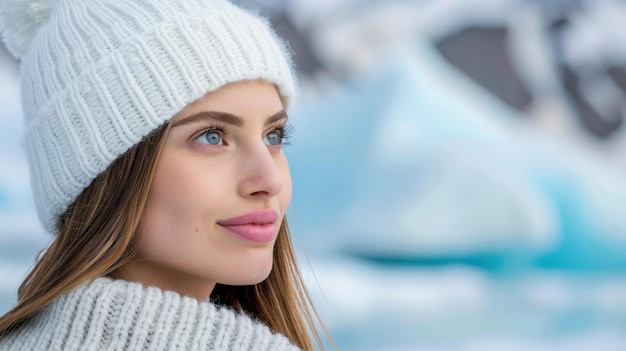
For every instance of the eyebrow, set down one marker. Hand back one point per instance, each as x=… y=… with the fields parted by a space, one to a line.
x=225 y=117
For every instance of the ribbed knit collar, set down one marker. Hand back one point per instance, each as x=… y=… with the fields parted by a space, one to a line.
x=108 y=314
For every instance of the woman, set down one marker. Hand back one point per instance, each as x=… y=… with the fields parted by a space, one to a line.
x=154 y=134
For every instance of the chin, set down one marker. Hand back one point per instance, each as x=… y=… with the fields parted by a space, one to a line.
x=251 y=274
x=259 y=278
x=249 y=280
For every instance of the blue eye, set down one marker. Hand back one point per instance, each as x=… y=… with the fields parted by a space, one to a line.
x=211 y=137
x=274 y=137
x=279 y=136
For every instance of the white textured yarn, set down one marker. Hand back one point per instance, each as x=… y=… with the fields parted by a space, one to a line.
x=21 y=20
x=111 y=314
x=100 y=75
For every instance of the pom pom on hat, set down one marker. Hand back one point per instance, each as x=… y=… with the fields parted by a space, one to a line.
x=20 y=20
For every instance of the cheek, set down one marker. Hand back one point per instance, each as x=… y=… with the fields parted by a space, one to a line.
x=164 y=214
x=182 y=200
x=172 y=196
x=285 y=195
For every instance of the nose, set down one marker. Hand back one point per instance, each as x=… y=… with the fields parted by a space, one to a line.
x=261 y=173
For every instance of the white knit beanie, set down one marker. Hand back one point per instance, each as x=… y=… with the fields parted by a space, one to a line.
x=97 y=76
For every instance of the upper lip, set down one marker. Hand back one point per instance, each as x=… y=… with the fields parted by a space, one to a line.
x=263 y=216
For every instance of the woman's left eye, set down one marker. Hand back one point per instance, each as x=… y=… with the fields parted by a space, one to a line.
x=275 y=137
x=279 y=136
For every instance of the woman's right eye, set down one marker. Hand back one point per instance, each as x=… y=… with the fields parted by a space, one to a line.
x=211 y=137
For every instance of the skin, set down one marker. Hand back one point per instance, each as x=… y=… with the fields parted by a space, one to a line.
x=181 y=246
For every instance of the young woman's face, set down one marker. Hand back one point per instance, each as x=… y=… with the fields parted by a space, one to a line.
x=219 y=194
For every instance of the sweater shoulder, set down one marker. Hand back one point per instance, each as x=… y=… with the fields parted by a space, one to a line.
x=120 y=315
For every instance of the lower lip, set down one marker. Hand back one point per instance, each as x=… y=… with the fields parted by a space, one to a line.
x=258 y=233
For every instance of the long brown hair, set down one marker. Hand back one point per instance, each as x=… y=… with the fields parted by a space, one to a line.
x=95 y=238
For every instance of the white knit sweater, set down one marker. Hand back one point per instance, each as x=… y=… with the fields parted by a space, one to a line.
x=111 y=314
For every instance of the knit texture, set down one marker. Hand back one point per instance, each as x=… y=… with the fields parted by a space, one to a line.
x=111 y=314
x=98 y=76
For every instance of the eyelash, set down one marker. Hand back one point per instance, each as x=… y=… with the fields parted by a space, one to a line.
x=286 y=131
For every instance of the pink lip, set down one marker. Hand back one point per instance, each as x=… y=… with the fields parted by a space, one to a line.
x=257 y=226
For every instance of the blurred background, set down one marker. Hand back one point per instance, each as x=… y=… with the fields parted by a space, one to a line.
x=459 y=172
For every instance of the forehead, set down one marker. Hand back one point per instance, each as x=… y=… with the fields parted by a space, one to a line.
x=245 y=98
